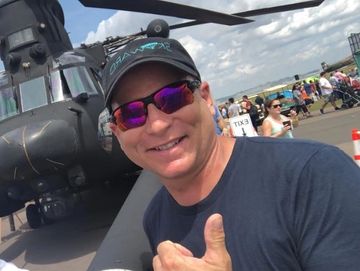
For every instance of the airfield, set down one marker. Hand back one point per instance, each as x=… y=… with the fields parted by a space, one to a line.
x=72 y=243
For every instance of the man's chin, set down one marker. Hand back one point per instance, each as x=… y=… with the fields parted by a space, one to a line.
x=173 y=171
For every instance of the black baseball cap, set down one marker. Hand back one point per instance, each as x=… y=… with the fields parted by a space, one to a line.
x=139 y=51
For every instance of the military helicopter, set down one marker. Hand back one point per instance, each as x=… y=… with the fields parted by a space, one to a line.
x=51 y=99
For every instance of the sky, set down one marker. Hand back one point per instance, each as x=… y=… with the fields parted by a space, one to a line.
x=236 y=58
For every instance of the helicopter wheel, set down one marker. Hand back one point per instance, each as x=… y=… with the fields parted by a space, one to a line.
x=33 y=216
x=46 y=220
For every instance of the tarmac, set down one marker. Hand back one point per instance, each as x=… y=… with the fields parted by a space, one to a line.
x=71 y=244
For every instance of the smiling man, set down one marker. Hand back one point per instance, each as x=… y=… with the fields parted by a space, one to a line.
x=282 y=205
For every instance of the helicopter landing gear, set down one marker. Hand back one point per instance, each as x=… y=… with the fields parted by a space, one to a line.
x=36 y=216
x=33 y=216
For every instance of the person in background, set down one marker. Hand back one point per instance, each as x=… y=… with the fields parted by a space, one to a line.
x=234 y=108
x=307 y=88
x=318 y=89
x=260 y=102
x=214 y=110
x=248 y=107
x=224 y=111
x=300 y=104
x=218 y=121
x=306 y=98
x=275 y=124
x=231 y=204
x=335 y=83
x=315 y=94
x=353 y=73
x=327 y=92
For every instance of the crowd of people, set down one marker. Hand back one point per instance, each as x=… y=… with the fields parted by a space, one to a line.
x=327 y=89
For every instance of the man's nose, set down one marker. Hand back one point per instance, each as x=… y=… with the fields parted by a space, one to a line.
x=157 y=121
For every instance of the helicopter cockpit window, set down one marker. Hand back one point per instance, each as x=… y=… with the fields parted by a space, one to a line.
x=59 y=88
x=8 y=103
x=78 y=80
x=33 y=93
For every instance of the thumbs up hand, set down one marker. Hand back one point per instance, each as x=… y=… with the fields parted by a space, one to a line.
x=172 y=256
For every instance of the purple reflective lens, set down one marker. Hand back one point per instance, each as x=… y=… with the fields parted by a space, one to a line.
x=130 y=116
x=133 y=114
x=170 y=99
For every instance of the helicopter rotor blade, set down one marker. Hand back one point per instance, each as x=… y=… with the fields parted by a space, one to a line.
x=262 y=11
x=289 y=7
x=169 y=9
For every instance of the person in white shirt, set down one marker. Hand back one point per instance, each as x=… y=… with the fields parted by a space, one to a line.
x=234 y=109
x=327 y=92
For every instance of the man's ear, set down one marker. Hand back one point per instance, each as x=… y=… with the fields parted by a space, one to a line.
x=206 y=95
x=205 y=92
x=116 y=132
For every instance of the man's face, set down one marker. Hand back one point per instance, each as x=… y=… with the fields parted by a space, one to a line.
x=171 y=145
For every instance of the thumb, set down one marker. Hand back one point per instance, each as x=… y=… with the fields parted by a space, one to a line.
x=216 y=252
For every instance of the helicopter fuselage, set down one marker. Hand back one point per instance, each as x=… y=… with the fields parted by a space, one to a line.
x=49 y=135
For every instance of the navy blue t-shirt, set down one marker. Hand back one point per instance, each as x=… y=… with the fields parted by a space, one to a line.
x=287 y=205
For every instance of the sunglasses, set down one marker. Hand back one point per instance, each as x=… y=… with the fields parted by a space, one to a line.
x=277 y=105
x=168 y=99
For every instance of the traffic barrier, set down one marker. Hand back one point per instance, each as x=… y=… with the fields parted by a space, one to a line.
x=356 y=140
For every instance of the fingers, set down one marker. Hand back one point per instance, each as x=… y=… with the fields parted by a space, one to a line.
x=183 y=250
x=172 y=256
x=167 y=255
x=168 y=247
x=157 y=263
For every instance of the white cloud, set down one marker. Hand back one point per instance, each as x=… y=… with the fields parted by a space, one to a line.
x=275 y=46
x=268 y=28
x=193 y=46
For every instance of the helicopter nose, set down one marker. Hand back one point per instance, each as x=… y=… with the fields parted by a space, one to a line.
x=36 y=149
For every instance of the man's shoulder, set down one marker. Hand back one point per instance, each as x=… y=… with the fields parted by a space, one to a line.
x=283 y=146
x=290 y=156
x=154 y=205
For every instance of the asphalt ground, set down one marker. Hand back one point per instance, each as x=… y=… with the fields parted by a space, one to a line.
x=333 y=127
x=72 y=243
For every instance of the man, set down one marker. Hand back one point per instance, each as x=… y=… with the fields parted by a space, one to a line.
x=277 y=213
x=234 y=108
x=327 y=92
x=248 y=107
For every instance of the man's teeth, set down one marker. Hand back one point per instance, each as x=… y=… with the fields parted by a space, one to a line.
x=167 y=146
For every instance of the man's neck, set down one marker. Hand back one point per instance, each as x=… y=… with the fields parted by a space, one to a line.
x=191 y=189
